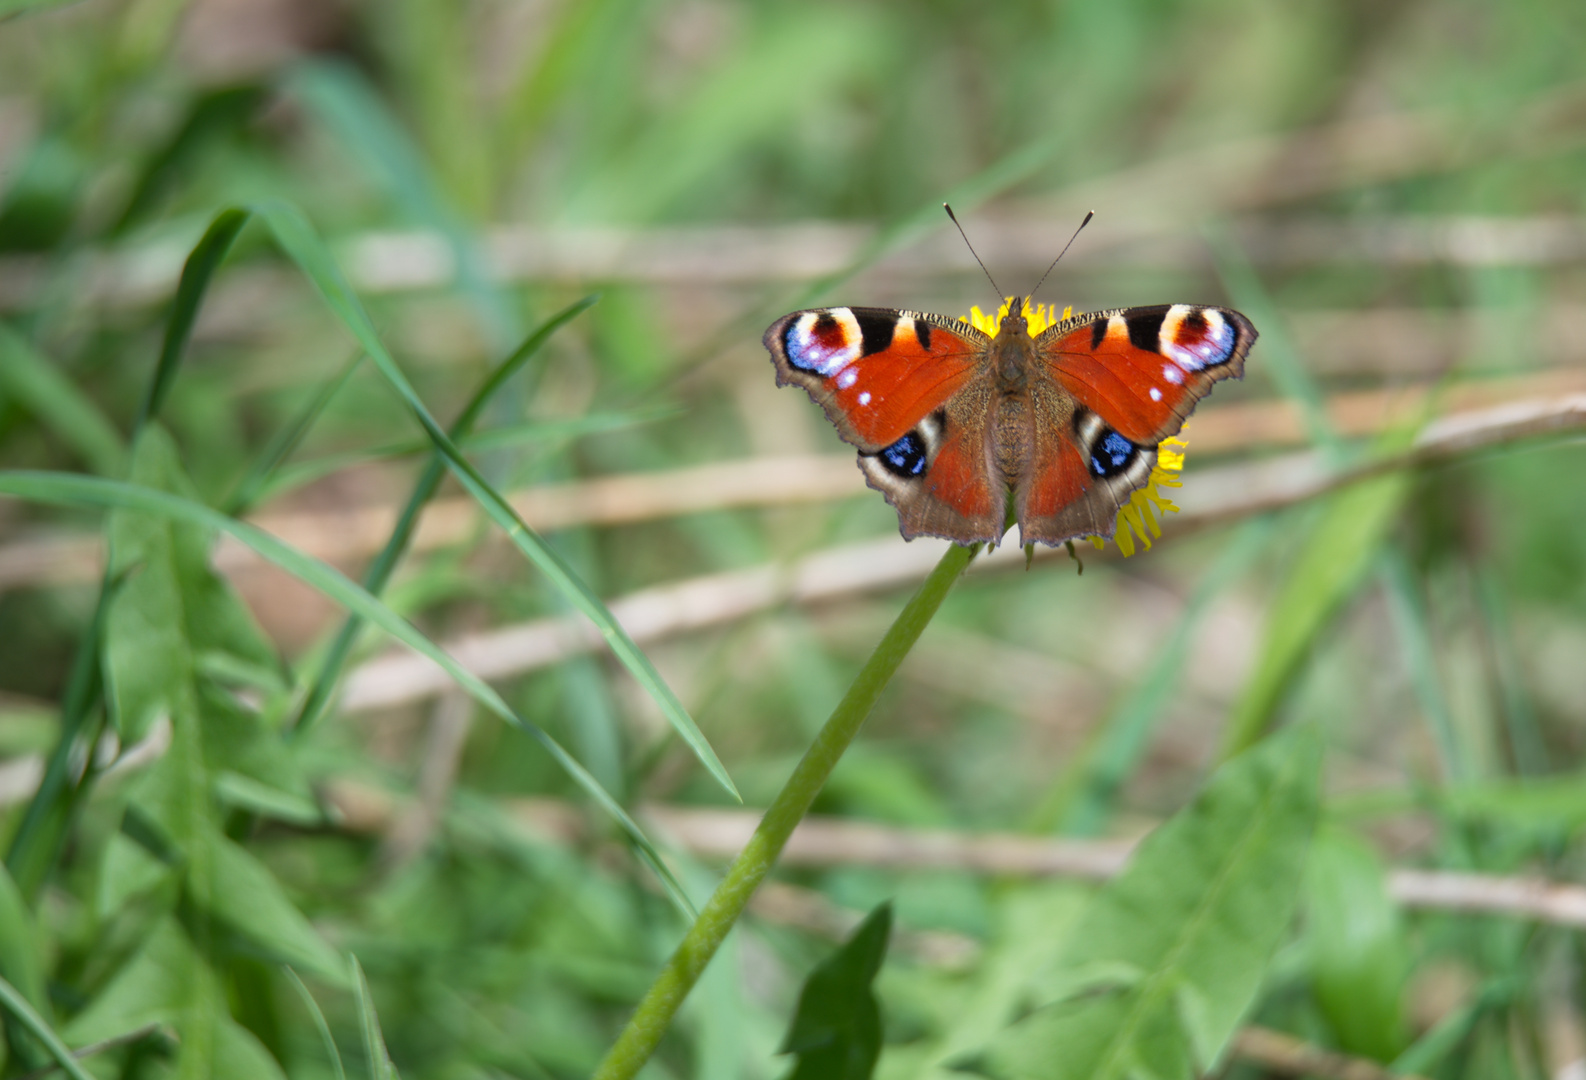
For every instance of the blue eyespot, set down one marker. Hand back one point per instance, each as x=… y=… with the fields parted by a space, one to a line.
x=1111 y=454
x=906 y=457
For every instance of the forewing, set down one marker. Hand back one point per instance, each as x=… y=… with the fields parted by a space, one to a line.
x=1143 y=369
x=877 y=372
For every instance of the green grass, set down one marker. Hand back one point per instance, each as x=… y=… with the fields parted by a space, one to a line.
x=213 y=865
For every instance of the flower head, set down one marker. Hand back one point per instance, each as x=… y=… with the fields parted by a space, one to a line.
x=1039 y=317
x=1138 y=516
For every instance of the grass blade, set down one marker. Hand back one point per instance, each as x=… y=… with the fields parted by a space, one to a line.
x=254 y=485
x=66 y=489
x=17 y=1005
x=380 y=570
x=298 y=239
x=1412 y=620
x=1280 y=355
x=44 y=824
x=1332 y=561
x=1082 y=799
x=59 y=405
x=379 y=1058
x=508 y=436
x=319 y=1018
x=349 y=106
x=43 y=827
x=8 y=8
x=197 y=272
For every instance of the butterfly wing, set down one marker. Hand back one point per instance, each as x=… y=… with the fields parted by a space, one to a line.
x=1120 y=382
x=877 y=372
x=902 y=387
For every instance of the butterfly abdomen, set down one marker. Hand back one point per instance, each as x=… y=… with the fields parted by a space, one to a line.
x=1011 y=437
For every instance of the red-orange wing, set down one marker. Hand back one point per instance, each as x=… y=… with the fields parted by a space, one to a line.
x=876 y=371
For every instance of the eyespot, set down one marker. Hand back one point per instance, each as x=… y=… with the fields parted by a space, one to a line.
x=824 y=342
x=1111 y=454
x=1196 y=338
x=906 y=457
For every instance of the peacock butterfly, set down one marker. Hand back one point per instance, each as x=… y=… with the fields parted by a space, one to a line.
x=962 y=430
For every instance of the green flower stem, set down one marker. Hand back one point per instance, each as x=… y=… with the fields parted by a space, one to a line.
x=654 y=1014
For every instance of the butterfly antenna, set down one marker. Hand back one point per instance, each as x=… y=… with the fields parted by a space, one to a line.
x=972 y=251
x=1088 y=215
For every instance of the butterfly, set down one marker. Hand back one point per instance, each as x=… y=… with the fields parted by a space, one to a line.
x=964 y=431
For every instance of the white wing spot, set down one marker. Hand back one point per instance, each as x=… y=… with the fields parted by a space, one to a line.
x=1156 y=395
x=1172 y=374
x=848 y=377
x=864 y=397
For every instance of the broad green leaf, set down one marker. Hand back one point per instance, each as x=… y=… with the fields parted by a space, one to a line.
x=173 y=627
x=298 y=239
x=836 y=1029
x=238 y=1055
x=59 y=406
x=149 y=988
x=1171 y=954
x=127 y=870
x=1359 y=957
x=245 y=793
x=249 y=761
x=168 y=982
x=251 y=901
x=1032 y=926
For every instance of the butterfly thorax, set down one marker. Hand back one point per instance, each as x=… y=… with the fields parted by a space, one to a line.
x=1012 y=355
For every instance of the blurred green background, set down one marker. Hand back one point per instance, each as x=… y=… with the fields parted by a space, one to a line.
x=1392 y=191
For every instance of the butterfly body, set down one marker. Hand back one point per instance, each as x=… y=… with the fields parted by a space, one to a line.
x=961 y=430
